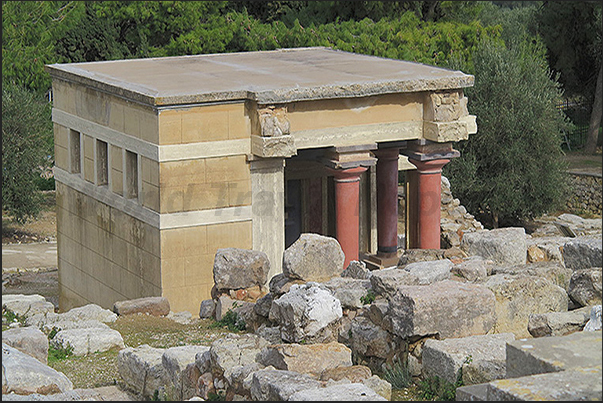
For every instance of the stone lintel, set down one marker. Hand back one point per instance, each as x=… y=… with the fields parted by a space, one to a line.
x=273 y=147
x=350 y=156
x=446 y=131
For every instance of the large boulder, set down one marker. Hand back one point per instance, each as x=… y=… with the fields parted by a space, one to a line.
x=24 y=375
x=27 y=305
x=88 y=341
x=519 y=296
x=387 y=281
x=554 y=271
x=583 y=253
x=448 y=308
x=503 y=245
x=585 y=287
x=344 y=392
x=313 y=257
x=156 y=306
x=349 y=291
x=29 y=340
x=368 y=340
x=558 y=323
x=474 y=359
x=236 y=268
x=304 y=358
x=306 y=313
x=142 y=370
x=178 y=363
x=278 y=385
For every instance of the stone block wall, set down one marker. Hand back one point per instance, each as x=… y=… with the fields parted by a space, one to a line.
x=586 y=193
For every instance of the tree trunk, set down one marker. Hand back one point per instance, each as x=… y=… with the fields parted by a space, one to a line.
x=595 y=117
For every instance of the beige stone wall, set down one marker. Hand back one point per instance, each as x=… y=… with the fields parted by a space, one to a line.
x=104 y=254
x=187 y=259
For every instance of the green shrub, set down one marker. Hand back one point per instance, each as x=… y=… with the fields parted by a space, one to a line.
x=369 y=298
x=436 y=388
x=59 y=354
x=231 y=320
x=398 y=374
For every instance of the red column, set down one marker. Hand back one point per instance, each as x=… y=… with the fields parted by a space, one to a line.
x=347 y=199
x=424 y=198
x=387 y=202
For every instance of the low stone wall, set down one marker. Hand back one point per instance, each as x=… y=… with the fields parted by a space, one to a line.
x=586 y=193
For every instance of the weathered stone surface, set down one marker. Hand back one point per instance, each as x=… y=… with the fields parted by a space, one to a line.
x=551 y=246
x=262 y=306
x=353 y=373
x=535 y=254
x=270 y=333
x=23 y=375
x=346 y=392
x=575 y=351
x=518 y=296
x=282 y=146
x=420 y=255
x=448 y=131
x=207 y=309
x=558 y=323
x=554 y=271
x=203 y=361
x=377 y=311
x=175 y=360
x=370 y=340
x=279 y=385
x=503 y=245
x=313 y=257
x=27 y=305
x=223 y=304
x=280 y=284
x=594 y=320
x=476 y=359
x=55 y=321
x=141 y=368
x=239 y=379
x=429 y=272
x=557 y=386
x=380 y=386
x=236 y=268
x=304 y=358
x=156 y=306
x=448 y=308
x=445 y=106
x=583 y=253
x=305 y=314
x=89 y=340
x=348 y=291
x=585 y=286
x=474 y=269
x=183 y=317
x=357 y=269
x=29 y=340
x=104 y=393
x=234 y=350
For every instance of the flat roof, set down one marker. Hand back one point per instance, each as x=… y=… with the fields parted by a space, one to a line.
x=268 y=77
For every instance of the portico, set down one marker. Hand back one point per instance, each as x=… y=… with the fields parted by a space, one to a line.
x=160 y=162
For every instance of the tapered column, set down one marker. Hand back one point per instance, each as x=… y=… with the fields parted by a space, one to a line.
x=387 y=202
x=424 y=198
x=347 y=198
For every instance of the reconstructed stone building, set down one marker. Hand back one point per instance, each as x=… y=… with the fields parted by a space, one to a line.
x=160 y=162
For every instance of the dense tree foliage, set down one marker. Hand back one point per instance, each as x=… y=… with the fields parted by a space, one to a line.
x=512 y=169
x=26 y=134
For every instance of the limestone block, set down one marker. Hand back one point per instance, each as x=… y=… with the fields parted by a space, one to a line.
x=303 y=358
x=471 y=121
x=262 y=305
x=29 y=340
x=502 y=245
x=473 y=269
x=279 y=385
x=585 y=286
x=236 y=268
x=380 y=386
x=448 y=308
x=156 y=306
x=313 y=257
x=445 y=106
x=24 y=375
x=357 y=269
x=420 y=255
x=348 y=291
x=353 y=373
x=387 y=281
x=239 y=379
x=88 y=341
x=280 y=284
x=476 y=359
x=207 y=309
x=176 y=360
x=583 y=253
x=370 y=340
x=234 y=350
x=346 y=392
x=141 y=368
x=27 y=305
x=272 y=147
x=552 y=270
x=558 y=323
x=521 y=295
x=443 y=132
x=594 y=320
x=273 y=121
x=305 y=313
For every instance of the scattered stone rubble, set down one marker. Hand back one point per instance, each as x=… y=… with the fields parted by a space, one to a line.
x=319 y=331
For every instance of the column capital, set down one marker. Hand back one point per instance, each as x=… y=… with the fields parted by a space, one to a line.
x=384 y=154
x=347 y=174
x=425 y=150
x=345 y=157
x=429 y=166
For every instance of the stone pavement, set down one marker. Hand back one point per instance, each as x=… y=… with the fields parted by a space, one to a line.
x=28 y=256
x=546 y=368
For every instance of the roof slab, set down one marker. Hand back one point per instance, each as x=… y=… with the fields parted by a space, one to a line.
x=267 y=77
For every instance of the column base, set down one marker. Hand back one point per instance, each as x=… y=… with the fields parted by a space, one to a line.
x=376 y=262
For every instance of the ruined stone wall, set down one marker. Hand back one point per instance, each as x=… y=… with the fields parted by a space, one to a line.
x=586 y=193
